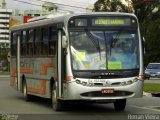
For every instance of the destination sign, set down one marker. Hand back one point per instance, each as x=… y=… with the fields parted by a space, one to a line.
x=101 y=21
x=110 y=21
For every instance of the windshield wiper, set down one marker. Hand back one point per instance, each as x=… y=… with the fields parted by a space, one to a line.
x=114 y=40
x=94 y=41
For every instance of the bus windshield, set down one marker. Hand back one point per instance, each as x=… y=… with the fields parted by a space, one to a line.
x=104 y=50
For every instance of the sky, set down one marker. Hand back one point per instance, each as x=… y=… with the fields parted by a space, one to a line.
x=11 y=4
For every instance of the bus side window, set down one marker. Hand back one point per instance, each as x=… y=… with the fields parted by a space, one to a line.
x=45 y=39
x=23 y=43
x=53 y=41
x=14 y=44
x=38 y=42
x=30 y=42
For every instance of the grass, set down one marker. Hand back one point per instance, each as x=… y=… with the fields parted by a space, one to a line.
x=152 y=87
x=1 y=118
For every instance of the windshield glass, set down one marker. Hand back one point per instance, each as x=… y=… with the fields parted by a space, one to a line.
x=104 y=50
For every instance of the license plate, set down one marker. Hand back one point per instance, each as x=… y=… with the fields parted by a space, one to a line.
x=97 y=80
x=107 y=91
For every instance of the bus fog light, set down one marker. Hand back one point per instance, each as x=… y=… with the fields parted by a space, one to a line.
x=91 y=84
x=84 y=83
x=78 y=81
x=135 y=80
x=129 y=82
x=123 y=83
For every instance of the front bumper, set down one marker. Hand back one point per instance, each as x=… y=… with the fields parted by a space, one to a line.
x=74 y=91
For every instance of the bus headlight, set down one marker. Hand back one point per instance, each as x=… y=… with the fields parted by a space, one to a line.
x=135 y=79
x=129 y=82
x=91 y=84
x=78 y=81
x=123 y=83
x=84 y=83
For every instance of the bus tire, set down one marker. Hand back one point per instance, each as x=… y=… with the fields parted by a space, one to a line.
x=57 y=104
x=120 y=104
x=24 y=91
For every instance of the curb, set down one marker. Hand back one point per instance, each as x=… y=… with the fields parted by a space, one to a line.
x=147 y=94
x=151 y=94
x=156 y=94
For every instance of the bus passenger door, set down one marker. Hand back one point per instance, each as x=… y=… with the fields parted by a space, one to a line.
x=60 y=64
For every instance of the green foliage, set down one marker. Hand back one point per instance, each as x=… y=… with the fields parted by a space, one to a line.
x=152 y=43
x=144 y=9
x=151 y=87
x=110 y=6
x=3 y=59
x=3 y=53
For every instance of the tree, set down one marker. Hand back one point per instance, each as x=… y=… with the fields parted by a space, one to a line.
x=148 y=12
x=153 y=42
x=111 y=6
x=144 y=9
x=4 y=49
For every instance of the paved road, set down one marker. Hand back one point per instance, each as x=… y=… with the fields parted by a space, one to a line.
x=12 y=103
x=152 y=80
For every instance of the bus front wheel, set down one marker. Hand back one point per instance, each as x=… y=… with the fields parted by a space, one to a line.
x=120 y=104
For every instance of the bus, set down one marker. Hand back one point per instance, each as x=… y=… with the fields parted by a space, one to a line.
x=85 y=57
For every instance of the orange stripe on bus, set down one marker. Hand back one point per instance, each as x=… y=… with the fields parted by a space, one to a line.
x=22 y=70
x=44 y=67
x=68 y=78
x=26 y=70
x=13 y=80
x=39 y=90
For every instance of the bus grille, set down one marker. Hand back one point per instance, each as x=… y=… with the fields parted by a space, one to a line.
x=99 y=94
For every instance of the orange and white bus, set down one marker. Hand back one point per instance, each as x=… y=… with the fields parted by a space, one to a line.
x=79 y=57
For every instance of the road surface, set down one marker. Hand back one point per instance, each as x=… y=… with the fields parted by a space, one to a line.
x=13 y=104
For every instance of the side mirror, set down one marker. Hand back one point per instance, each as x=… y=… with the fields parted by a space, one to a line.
x=64 y=42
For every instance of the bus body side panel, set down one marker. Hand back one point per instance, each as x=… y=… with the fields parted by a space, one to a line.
x=38 y=73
